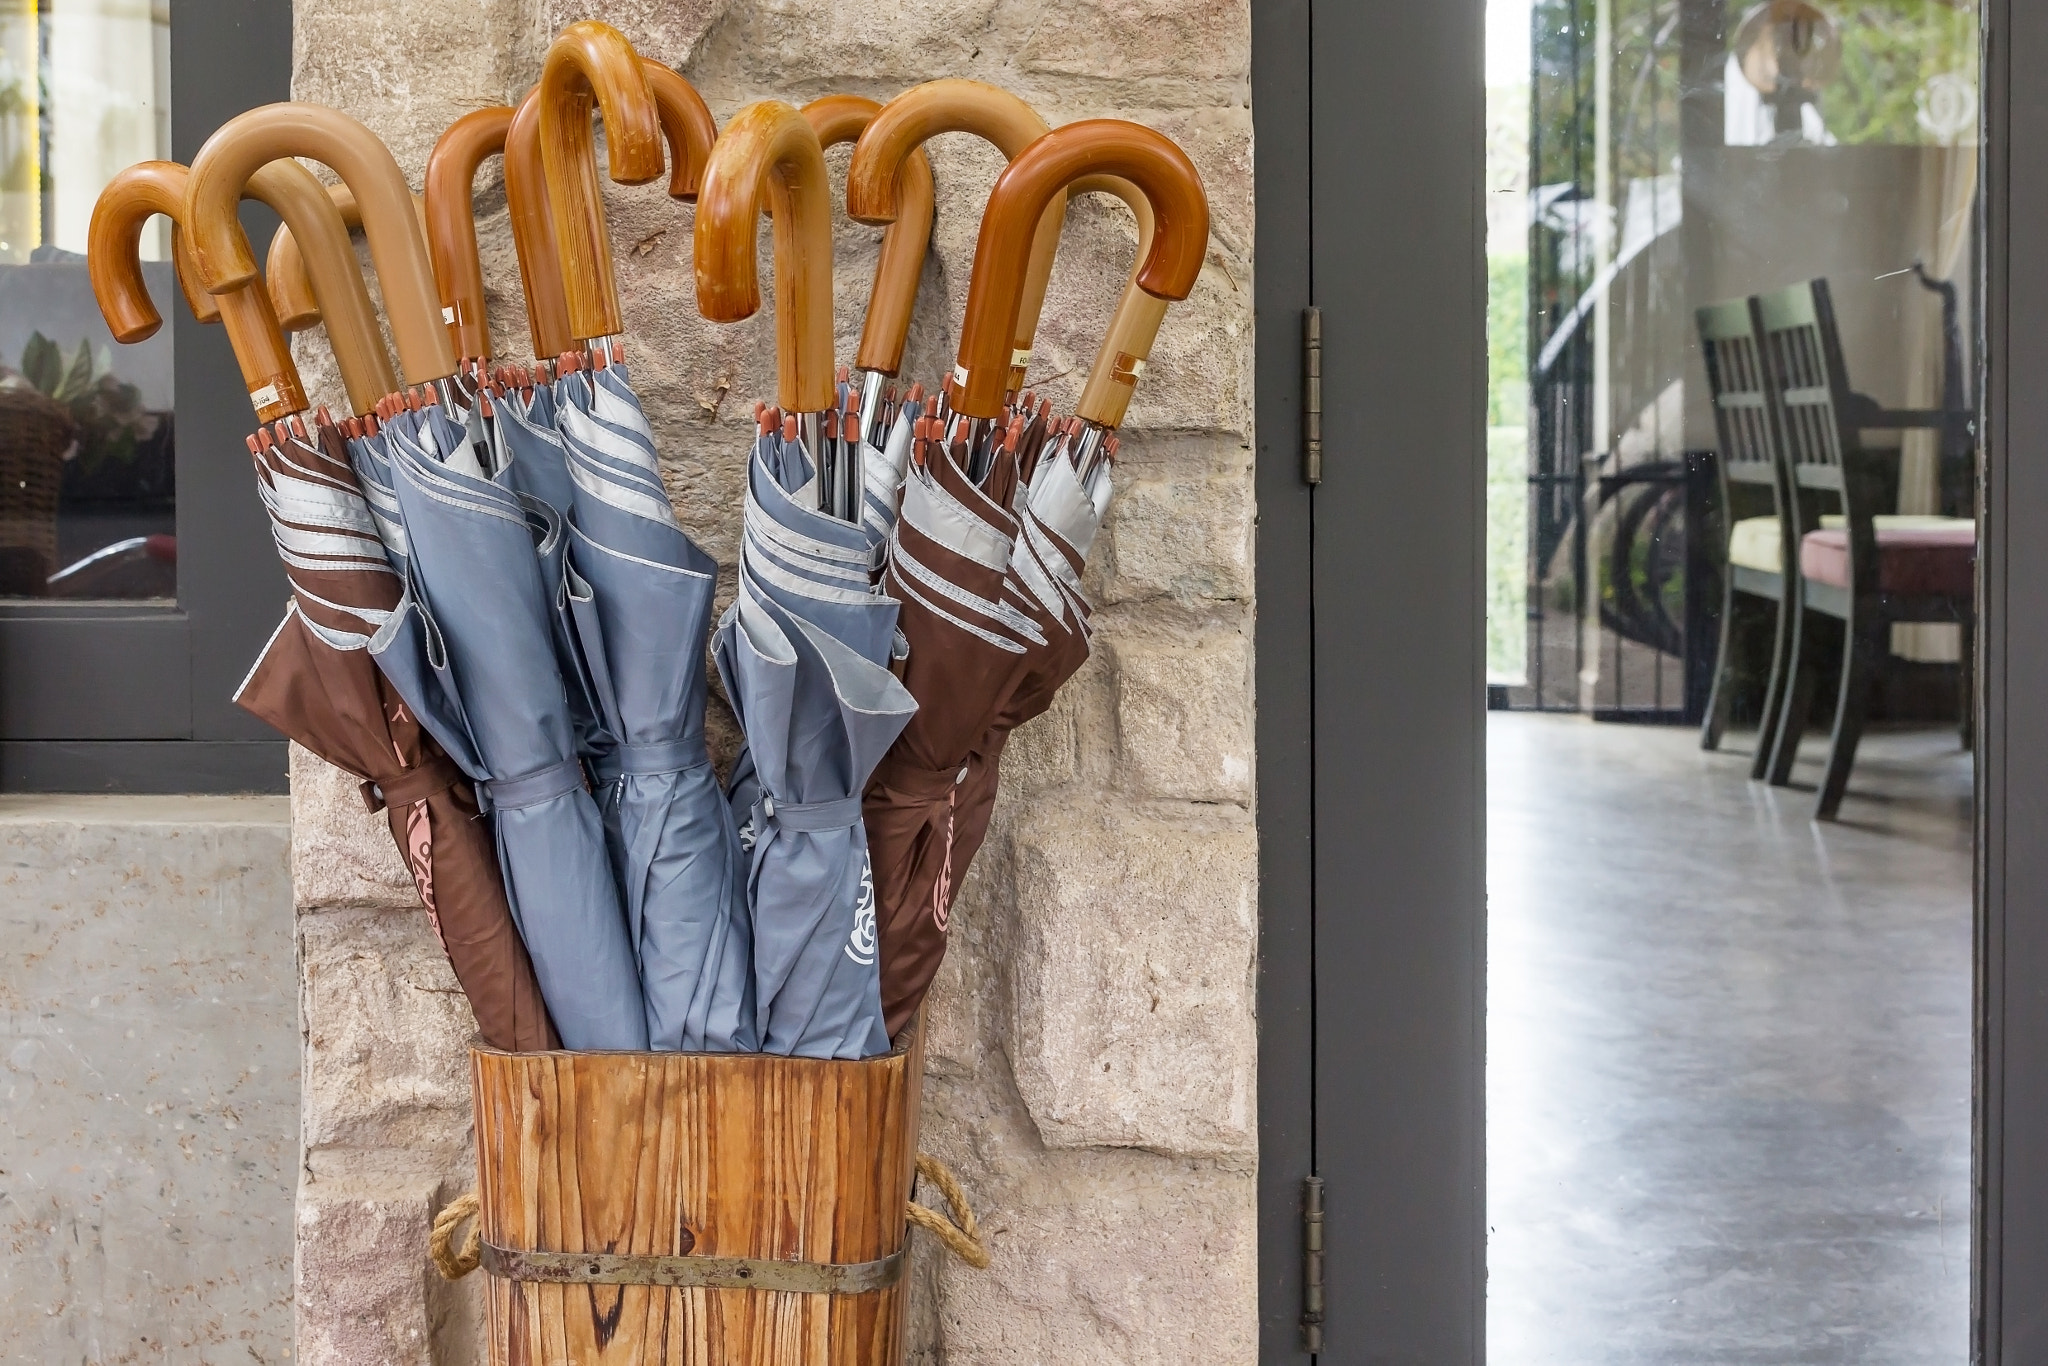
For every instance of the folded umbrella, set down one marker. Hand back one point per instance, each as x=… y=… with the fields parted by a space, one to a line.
x=474 y=654
x=642 y=599
x=804 y=649
x=992 y=600
x=314 y=680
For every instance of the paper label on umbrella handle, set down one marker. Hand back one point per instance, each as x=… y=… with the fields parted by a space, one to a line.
x=1127 y=368
x=1020 y=359
x=264 y=396
x=448 y=314
x=960 y=375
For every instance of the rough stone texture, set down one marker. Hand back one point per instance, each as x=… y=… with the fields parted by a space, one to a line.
x=1091 y=1071
x=149 y=1078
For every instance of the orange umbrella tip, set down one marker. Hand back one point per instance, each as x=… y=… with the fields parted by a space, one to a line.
x=789 y=426
x=255 y=448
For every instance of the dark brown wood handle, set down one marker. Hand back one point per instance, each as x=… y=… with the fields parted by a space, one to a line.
x=771 y=143
x=587 y=62
x=251 y=140
x=533 y=235
x=686 y=125
x=893 y=297
x=451 y=222
x=114 y=264
x=956 y=106
x=325 y=285
x=1002 y=256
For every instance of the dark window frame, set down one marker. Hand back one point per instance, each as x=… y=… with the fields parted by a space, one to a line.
x=136 y=697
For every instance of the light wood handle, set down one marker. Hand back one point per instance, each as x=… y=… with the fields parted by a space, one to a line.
x=893 y=297
x=251 y=140
x=451 y=222
x=114 y=264
x=957 y=106
x=592 y=61
x=1161 y=171
x=1135 y=325
x=329 y=288
x=768 y=146
x=533 y=235
x=686 y=126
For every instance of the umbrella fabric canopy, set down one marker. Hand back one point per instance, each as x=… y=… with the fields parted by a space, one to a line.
x=470 y=645
x=314 y=681
x=641 y=596
x=803 y=651
x=931 y=801
x=476 y=582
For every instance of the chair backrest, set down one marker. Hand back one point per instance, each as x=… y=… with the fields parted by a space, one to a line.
x=1807 y=381
x=1743 y=417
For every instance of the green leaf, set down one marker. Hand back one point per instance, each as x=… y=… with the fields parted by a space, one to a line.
x=77 y=376
x=42 y=363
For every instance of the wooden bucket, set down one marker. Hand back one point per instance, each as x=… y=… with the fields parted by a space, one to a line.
x=695 y=1209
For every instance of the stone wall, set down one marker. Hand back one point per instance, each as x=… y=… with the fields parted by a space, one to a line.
x=1093 y=1039
x=149 y=1080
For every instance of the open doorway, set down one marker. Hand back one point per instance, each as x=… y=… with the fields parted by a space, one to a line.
x=1735 y=254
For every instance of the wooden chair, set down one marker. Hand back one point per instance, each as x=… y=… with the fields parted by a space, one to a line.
x=1759 y=537
x=1868 y=570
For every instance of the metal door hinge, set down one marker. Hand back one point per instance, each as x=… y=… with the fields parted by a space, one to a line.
x=1312 y=1265
x=1312 y=395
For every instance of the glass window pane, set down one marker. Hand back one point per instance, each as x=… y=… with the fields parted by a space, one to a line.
x=87 y=493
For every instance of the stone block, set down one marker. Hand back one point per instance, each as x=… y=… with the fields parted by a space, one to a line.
x=1131 y=979
x=1123 y=1258
x=148 y=1079
x=1123 y=41
x=386 y=1037
x=1184 y=714
x=342 y=854
x=1177 y=530
x=362 y=1271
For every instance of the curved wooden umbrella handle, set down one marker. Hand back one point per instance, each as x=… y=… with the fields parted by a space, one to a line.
x=1160 y=170
x=893 y=296
x=956 y=106
x=114 y=263
x=451 y=223
x=533 y=235
x=251 y=140
x=1134 y=326
x=592 y=61
x=329 y=288
x=686 y=126
x=770 y=145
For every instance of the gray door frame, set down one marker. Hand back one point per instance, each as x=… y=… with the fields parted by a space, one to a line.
x=1370 y=683
x=136 y=697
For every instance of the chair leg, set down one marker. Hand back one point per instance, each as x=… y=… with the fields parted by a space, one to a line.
x=1801 y=677
x=1722 y=696
x=1967 y=683
x=1784 y=644
x=1864 y=643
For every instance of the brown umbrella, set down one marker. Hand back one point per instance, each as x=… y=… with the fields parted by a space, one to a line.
x=931 y=800
x=315 y=681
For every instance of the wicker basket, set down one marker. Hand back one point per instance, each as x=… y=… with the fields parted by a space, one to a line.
x=35 y=434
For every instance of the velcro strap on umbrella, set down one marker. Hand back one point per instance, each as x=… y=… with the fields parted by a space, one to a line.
x=531 y=789
x=812 y=817
x=651 y=758
x=438 y=774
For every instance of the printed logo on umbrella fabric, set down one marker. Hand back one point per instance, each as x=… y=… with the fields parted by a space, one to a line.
x=861 y=946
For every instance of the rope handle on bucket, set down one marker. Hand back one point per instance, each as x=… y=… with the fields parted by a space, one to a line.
x=961 y=1234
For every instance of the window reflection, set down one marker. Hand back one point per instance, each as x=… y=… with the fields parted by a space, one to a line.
x=87 y=493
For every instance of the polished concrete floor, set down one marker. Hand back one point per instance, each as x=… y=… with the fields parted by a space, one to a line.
x=1728 y=1080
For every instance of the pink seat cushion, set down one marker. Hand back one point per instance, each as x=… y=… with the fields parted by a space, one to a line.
x=1914 y=562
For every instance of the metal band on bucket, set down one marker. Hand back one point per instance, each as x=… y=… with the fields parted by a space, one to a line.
x=718 y=1273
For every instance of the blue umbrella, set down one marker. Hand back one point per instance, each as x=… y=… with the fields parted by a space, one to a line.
x=804 y=650
x=643 y=608
x=477 y=551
